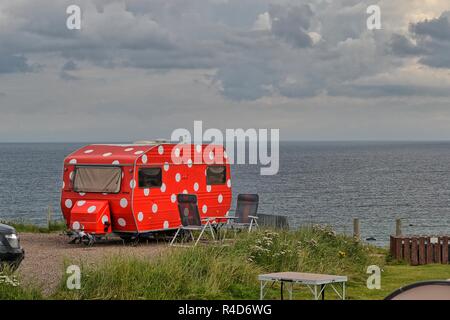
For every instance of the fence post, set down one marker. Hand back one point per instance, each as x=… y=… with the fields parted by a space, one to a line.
x=356 y=232
x=398 y=227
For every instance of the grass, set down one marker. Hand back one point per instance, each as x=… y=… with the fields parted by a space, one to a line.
x=230 y=272
x=22 y=226
x=25 y=226
x=225 y=272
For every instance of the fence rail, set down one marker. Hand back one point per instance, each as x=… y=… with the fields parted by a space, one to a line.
x=420 y=250
x=273 y=221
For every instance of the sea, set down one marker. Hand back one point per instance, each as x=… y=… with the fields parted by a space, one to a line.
x=327 y=183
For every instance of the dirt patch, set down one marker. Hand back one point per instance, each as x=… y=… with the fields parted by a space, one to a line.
x=45 y=255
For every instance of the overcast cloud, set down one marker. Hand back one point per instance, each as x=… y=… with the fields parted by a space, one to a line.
x=139 y=69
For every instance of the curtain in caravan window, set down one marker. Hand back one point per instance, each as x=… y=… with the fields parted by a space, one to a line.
x=97 y=179
x=216 y=175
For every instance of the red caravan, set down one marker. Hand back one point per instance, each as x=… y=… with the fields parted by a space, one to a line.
x=131 y=189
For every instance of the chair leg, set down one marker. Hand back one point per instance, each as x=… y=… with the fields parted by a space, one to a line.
x=200 y=236
x=175 y=236
x=212 y=231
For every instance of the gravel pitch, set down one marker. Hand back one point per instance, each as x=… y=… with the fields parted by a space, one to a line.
x=45 y=255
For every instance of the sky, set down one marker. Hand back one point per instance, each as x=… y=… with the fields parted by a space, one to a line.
x=139 y=69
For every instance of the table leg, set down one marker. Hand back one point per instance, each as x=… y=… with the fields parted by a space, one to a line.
x=343 y=290
x=282 y=287
x=292 y=289
x=322 y=288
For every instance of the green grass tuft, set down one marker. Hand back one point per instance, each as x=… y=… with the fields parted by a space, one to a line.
x=23 y=226
x=225 y=272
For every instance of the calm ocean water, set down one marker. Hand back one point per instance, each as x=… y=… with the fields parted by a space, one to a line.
x=319 y=182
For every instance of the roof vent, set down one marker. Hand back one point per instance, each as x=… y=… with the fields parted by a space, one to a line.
x=151 y=142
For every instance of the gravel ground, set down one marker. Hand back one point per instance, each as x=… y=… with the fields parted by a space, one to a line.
x=45 y=255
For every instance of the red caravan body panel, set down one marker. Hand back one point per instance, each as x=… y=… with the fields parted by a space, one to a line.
x=139 y=210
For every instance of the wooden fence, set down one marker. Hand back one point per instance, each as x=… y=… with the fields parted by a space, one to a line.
x=273 y=221
x=420 y=250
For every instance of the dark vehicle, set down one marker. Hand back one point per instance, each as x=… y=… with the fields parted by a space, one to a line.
x=11 y=253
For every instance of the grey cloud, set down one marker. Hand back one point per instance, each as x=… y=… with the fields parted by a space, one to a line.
x=432 y=39
x=217 y=35
x=292 y=24
x=388 y=90
x=14 y=63
x=403 y=46
x=435 y=28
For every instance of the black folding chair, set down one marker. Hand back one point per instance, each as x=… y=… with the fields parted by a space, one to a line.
x=190 y=220
x=246 y=212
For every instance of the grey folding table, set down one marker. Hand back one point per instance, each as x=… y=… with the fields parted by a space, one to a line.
x=316 y=283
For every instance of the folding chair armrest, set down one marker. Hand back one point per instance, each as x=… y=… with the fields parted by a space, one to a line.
x=253 y=217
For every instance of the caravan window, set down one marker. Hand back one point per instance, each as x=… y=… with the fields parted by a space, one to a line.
x=150 y=177
x=97 y=179
x=216 y=175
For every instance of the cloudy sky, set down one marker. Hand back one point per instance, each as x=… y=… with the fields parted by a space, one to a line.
x=138 y=69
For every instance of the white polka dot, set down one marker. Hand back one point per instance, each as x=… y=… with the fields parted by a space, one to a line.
x=92 y=209
x=227 y=214
x=198 y=148
x=160 y=149
x=82 y=194
x=105 y=219
x=211 y=155
x=146 y=192
x=105 y=193
x=166 y=166
x=116 y=162
x=173 y=198
x=166 y=224
x=163 y=187
x=144 y=158
x=121 y=222
x=185 y=191
x=196 y=186
x=81 y=203
x=229 y=183
x=140 y=216
x=76 y=225
x=204 y=208
x=177 y=152
x=225 y=155
x=154 y=208
x=63 y=185
x=73 y=161
x=129 y=149
x=108 y=154
x=177 y=177
x=89 y=151
x=189 y=163
x=132 y=184
x=208 y=188
x=68 y=203
x=123 y=203
x=71 y=175
x=220 y=198
x=139 y=152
